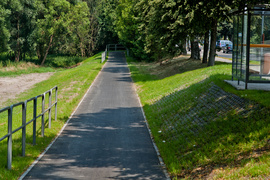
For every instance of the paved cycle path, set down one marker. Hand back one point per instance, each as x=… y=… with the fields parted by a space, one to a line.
x=107 y=137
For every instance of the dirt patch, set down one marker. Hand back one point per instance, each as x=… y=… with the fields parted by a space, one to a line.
x=12 y=86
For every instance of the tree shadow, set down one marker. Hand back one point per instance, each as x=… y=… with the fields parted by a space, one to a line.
x=156 y=71
x=110 y=144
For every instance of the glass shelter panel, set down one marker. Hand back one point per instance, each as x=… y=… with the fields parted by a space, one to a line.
x=239 y=37
x=235 y=63
x=259 y=67
x=251 y=44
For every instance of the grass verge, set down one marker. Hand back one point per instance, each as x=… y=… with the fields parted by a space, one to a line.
x=73 y=84
x=203 y=127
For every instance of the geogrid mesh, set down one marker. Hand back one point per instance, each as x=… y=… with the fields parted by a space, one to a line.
x=188 y=114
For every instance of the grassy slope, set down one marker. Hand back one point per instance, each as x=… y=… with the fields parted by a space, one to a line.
x=233 y=146
x=72 y=84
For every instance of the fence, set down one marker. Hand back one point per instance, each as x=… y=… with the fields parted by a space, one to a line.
x=113 y=47
x=24 y=123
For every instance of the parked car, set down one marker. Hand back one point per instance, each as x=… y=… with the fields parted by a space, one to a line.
x=224 y=45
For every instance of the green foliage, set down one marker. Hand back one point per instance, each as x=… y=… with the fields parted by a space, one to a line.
x=129 y=28
x=39 y=28
x=151 y=29
x=63 y=61
x=4 y=33
x=106 y=17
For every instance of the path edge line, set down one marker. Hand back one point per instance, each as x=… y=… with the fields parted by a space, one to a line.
x=162 y=164
x=60 y=132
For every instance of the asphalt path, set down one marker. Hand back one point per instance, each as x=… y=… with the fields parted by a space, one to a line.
x=107 y=137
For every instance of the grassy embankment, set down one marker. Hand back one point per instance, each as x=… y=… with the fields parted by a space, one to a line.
x=201 y=128
x=72 y=84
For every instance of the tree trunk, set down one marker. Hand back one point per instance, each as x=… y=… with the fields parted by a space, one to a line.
x=82 y=49
x=47 y=51
x=184 y=48
x=38 y=53
x=18 y=52
x=195 y=51
x=205 y=47
x=212 y=53
x=18 y=48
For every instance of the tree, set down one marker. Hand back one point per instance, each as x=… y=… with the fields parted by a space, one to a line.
x=74 y=36
x=20 y=23
x=50 y=24
x=163 y=25
x=205 y=47
x=219 y=11
x=128 y=27
x=106 y=19
x=4 y=32
x=225 y=30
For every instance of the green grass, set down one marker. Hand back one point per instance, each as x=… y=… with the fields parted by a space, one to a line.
x=73 y=84
x=15 y=69
x=228 y=145
x=31 y=65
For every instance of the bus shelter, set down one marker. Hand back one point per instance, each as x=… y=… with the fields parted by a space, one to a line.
x=251 y=45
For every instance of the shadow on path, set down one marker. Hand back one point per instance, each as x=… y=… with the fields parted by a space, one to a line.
x=107 y=138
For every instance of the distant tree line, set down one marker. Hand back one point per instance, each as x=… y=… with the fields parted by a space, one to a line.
x=154 y=29
x=40 y=27
x=151 y=29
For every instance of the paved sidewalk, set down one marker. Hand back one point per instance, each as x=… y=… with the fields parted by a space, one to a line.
x=107 y=137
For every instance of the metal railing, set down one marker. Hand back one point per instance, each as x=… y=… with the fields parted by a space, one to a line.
x=113 y=47
x=24 y=123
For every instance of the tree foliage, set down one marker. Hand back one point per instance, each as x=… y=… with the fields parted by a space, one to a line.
x=151 y=29
x=40 y=27
x=4 y=32
x=161 y=26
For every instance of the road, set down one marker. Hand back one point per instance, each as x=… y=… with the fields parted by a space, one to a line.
x=225 y=55
x=220 y=54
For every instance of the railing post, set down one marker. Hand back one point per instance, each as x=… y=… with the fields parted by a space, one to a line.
x=43 y=114
x=24 y=106
x=56 y=90
x=9 y=141
x=50 y=108
x=35 y=120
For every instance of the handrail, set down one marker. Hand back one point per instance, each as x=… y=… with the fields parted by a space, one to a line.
x=115 y=47
x=24 y=123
